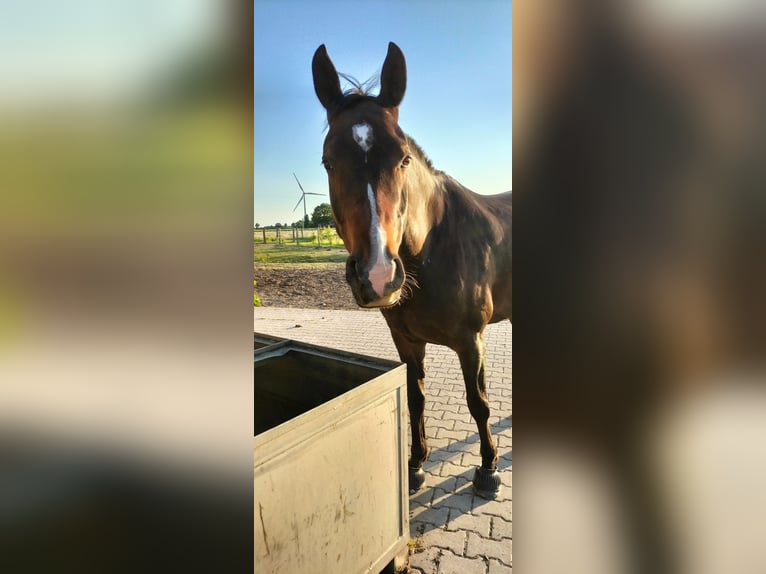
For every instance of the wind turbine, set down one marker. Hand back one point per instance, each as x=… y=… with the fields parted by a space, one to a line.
x=303 y=199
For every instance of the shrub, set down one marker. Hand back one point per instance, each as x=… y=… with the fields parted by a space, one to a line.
x=327 y=235
x=256 y=299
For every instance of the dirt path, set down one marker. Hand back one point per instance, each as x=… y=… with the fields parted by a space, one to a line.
x=304 y=285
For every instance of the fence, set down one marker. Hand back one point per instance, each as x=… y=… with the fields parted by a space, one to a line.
x=318 y=236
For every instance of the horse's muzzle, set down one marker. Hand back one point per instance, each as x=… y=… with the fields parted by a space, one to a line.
x=358 y=279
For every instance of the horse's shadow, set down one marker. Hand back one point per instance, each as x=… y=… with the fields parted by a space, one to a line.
x=462 y=484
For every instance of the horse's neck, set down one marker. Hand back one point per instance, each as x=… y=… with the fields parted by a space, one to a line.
x=425 y=207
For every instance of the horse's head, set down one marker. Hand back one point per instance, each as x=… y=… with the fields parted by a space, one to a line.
x=366 y=156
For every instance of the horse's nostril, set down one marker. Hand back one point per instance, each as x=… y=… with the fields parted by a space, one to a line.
x=398 y=273
x=352 y=266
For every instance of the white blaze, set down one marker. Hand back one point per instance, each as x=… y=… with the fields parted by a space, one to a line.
x=381 y=269
x=363 y=136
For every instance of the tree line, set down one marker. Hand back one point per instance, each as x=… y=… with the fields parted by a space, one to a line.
x=321 y=217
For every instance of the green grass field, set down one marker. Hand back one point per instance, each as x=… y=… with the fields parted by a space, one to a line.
x=271 y=253
x=324 y=237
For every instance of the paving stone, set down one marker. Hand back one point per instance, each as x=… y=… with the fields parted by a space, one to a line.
x=433 y=465
x=434 y=516
x=501 y=528
x=417 y=528
x=425 y=561
x=494 y=508
x=478 y=524
x=421 y=498
x=451 y=564
x=454 y=541
x=446 y=483
x=445 y=407
x=479 y=547
x=496 y=567
x=452 y=435
x=463 y=483
x=460 y=503
x=469 y=427
x=505 y=457
x=444 y=455
x=452 y=469
x=503 y=441
x=465 y=446
x=470 y=460
x=456 y=400
x=437 y=443
x=458 y=418
x=436 y=481
x=448 y=424
x=503 y=423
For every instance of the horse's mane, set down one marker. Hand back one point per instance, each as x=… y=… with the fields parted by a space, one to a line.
x=360 y=88
x=421 y=155
x=357 y=93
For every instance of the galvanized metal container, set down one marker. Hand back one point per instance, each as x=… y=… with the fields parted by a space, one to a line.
x=330 y=482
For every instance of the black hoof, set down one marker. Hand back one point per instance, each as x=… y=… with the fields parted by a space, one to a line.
x=417 y=478
x=486 y=483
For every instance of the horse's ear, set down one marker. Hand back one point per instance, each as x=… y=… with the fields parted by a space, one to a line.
x=393 y=78
x=326 y=81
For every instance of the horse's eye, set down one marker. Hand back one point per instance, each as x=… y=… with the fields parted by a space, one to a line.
x=406 y=161
x=327 y=164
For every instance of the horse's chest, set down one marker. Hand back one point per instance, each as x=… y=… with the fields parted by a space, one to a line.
x=419 y=323
x=453 y=281
x=441 y=308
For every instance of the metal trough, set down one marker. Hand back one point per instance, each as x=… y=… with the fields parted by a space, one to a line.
x=330 y=490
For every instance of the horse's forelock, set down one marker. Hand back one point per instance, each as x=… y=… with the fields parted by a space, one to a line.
x=360 y=88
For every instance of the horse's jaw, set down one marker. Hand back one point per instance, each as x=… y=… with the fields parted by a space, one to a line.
x=388 y=301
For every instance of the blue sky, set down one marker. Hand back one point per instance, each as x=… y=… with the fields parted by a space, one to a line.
x=457 y=105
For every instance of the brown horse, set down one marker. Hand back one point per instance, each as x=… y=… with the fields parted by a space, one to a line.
x=433 y=255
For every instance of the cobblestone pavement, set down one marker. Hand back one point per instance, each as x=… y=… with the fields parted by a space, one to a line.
x=452 y=531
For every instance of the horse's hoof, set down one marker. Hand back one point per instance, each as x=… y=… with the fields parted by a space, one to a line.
x=417 y=478
x=486 y=483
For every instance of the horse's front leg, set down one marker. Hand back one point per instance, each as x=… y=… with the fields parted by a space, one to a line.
x=486 y=479
x=413 y=354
